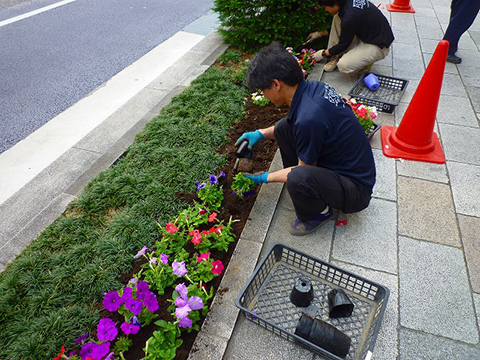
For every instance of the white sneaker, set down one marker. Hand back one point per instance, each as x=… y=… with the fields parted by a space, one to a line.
x=332 y=64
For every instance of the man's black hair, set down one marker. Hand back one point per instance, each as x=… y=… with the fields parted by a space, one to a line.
x=331 y=2
x=273 y=62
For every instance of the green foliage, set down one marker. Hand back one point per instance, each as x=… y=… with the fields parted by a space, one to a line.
x=48 y=295
x=251 y=24
x=241 y=184
x=164 y=342
x=229 y=55
x=122 y=345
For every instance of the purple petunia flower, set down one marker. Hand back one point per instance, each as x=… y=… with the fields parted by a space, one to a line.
x=200 y=186
x=185 y=323
x=129 y=328
x=164 y=259
x=100 y=351
x=134 y=306
x=151 y=302
x=195 y=303
x=153 y=260
x=134 y=321
x=249 y=193
x=81 y=338
x=179 y=268
x=179 y=302
x=112 y=301
x=182 y=312
x=141 y=252
x=182 y=290
x=106 y=330
x=127 y=294
x=86 y=350
x=110 y=356
x=142 y=290
x=213 y=179
x=222 y=174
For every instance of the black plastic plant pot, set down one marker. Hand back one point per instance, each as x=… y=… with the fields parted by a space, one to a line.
x=339 y=304
x=324 y=335
x=302 y=292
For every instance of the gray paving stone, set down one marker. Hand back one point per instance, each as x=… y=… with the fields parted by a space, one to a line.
x=342 y=83
x=474 y=95
x=204 y=24
x=420 y=346
x=409 y=91
x=423 y=170
x=452 y=85
x=470 y=59
x=383 y=119
x=253 y=342
x=424 y=12
x=208 y=347
x=425 y=211
x=470 y=75
x=408 y=61
x=476 y=301
x=461 y=143
x=475 y=35
x=370 y=237
x=380 y=69
x=434 y=291
x=466 y=43
x=386 y=184
x=469 y=229
x=456 y=110
x=317 y=244
x=430 y=32
x=386 y=346
x=465 y=181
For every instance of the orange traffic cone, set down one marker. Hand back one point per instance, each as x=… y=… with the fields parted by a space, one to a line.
x=414 y=138
x=400 y=6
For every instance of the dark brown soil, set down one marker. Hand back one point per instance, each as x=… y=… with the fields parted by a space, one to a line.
x=255 y=118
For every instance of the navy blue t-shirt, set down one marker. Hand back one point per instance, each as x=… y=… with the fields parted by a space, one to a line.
x=328 y=133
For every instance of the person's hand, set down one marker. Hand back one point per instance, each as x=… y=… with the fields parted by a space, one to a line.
x=258 y=178
x=252 y=137
x=313 y=36
x=318 y=55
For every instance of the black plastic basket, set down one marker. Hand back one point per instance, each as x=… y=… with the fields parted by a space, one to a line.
x=386 y=98
x=265 y=300
x=373 y=130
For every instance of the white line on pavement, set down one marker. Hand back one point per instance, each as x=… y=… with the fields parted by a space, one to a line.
x=34 y=12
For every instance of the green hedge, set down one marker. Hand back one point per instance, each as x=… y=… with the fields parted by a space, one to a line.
x=251 y=24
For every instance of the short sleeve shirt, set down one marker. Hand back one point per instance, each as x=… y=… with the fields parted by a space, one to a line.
x=327 y=133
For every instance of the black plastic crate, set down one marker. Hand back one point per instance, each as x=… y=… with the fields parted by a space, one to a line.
x=386 y=98
x=265 y=300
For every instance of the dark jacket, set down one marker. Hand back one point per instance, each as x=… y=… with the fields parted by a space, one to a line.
x=363 y=19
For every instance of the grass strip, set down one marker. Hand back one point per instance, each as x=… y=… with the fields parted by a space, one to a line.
x=48 y=294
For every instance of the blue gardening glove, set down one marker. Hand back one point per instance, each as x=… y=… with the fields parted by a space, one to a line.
x=258 y=178
x=252 y=137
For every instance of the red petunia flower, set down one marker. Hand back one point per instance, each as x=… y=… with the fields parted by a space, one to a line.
x=212 y=217
x=62 y=350
x=217 y=267
x=171 y=228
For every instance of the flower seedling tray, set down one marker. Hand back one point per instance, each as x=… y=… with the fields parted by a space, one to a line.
x=373 y=130
x=265 y=300
x=386 y=98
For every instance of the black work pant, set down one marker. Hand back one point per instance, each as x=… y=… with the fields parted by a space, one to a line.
x=462 y=15
x=312 y=188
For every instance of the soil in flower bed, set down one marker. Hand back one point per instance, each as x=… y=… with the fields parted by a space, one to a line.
x=256 y=117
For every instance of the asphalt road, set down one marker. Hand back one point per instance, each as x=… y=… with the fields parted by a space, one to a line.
x=51 y=60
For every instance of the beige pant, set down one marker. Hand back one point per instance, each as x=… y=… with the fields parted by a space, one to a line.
x=358 y=55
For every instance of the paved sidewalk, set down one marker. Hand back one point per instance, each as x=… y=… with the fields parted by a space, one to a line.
x=419 y=236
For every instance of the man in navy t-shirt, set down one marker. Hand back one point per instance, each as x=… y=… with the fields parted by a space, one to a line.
x=327 y=158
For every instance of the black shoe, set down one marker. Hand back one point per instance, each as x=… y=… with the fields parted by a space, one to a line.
x=454 y=59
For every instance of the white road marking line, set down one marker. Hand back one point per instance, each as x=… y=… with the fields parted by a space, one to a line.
x=34 y=12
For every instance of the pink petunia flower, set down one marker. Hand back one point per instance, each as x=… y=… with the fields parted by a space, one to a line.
x=217 y=267
x=141 y=252
x=171 y=228
x=196 y=236
x=203 y=256
x=212 y=217
x=164 y=258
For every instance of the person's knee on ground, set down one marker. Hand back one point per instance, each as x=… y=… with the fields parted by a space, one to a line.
x=306 y=200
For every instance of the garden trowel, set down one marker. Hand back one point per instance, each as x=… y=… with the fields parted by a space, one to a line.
x=244 y=153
